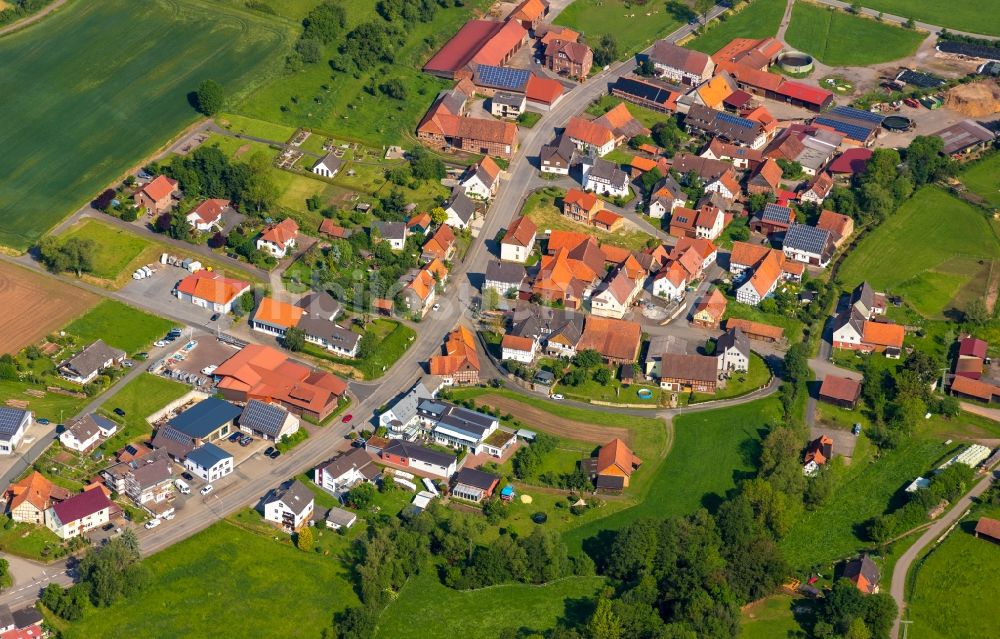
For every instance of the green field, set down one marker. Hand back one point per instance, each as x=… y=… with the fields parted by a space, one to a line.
x=221 y=578
x=52 y=406
x=711 y=451
x=256 y=128
x=336 y=102
x=115 y=248
x=628 y=22
x=119 y=325
x=792 y=326
x=864 y=489
x=771 y=619
x=124 y=71
x=983 y=179
x=484 y=613
x=840 y=39
x=956 y=584
x=929 y=251
x=140 y=398
x=964 y=15
x=760 y=19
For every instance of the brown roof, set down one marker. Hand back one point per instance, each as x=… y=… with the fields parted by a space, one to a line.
x=160 y=187
x=328 y=227
x=574 y=51
x=36 y=490
x=612 y=338
x=687 y=60
x=521 y=232
x=752 y=77
x=606 y=218
x=700 y=368
x=440 y=243
x=747 y=253
x=835 y=223
x=545 y=90
x=974 y=388
x=460 y=352
x=821 y=184
x=989 y=527
x=770 y=172
x=517 y=343
x=615 y=454
x=487 y=130
x=840 y=388
x=755 y=328
x=588 y=132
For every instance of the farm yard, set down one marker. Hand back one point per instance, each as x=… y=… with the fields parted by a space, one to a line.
x=759 y=19
x=122 y=93
x=936 y=252
x=840 y=39
x=52 y=305
x=635 y=26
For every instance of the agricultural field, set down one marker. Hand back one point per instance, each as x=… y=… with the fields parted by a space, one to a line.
x=337 y=102
x=955 y=584
x=840 y=39
x=484 y=613
x=759 y=19
x=140 y=398
x=123 y=87
x=636 y=27
x=936 y=251
x=219 y=576
x=117 y=252
x=53 y=304
x=983 y=179
x=543 y=209
x=119 y=325
x=964 y=15
x=865 y=488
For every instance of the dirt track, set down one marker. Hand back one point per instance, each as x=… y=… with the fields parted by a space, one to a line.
x=536 y=418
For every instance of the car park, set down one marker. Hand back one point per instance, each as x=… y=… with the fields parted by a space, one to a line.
x=152 y=523
x=207 y=489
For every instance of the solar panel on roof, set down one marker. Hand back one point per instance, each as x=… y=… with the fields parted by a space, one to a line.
x=857 y=114
x=729 y=118
x=806 y=238
x=775 y=213
x=642 y=90
x=10 y=419
x=264 y=417
x=504 y=77
x=854 y=131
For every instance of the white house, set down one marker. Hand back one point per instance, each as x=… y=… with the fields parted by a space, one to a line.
x=808 y=244
x=519 y=349
x=848 y=330
x=79 y=513
x=84 y=433
x=518 y=241
x=345 y=471
x=557 y=156
x=209 y=462
x=207 y=215
x=13 y=423
x=605 y=178
x=392 y=232
x=709 y=223
x=400 y=419
x=615 y=295
x=667 y=196
x=670 y=282
x=291 y=508
x=279 y=238
x=85 y=365
x=460 y=210
x=503 y=277
x=328 y=166
x=423 y=460
x=482 y=179
x=725 y=185
x=680 y=65
x=504 y=104
x=733 y=350
x=209 y=289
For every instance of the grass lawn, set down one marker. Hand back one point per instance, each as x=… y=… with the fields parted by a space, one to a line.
x=759 y=19
x=125 y=70
x=792 y=326
x=983 y=179
x=841 y=39
x=484 y=613
x=741 y=383
x=955 y=585
x=393 y=340
x=541 y=207
x=255 y=128
x=729 y=437
x=28 y=541
x=865 y=488
x=215 y=578
x=336 y=102
x=119 y=325
x=635 y=26
x=52 y=406
x=648 y=117
x=615 y=392
x=117 y=251
x=237 y=149
x=772 y=618
x=140 y=398
x=528 y=119
x=929 y=252
x=964 y=15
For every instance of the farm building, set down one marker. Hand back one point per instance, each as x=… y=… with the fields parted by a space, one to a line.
x=988 y=528
x=840 y=391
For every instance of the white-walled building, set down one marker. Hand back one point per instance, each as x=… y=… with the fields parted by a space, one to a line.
x=291 y=508
x=209 y=462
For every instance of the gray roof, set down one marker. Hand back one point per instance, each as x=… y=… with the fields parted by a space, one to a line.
x=669 y=183
x=862 y=566
x=406 y=408
x=806 y=238
x=724 y=125
x=670 y=55
x=458 y=418
x=331 y=161
x=475 y=478
x=152 y=473
x=321 y=304
x=733 y=338
x=865 y=294
x=320 y=327
x=208 y=455
x=296 y=496
x=414 y=451
x=340 y=517
x=354 y=459
x=543 y=322
x=89 y=425
x=92 y=358
x=608 y=172
x=205 y=417
x=173 y=441
x=511 y=99
x=962 y=135
x=506 y=272
x=11 y=420
x=263 y=418
x=460 y=203
x=26 y=617
x=560 y=149
x=391 y=230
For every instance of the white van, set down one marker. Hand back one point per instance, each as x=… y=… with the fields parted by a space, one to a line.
x=182 y=486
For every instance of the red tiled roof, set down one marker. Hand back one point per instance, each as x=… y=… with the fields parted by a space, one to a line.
x=210 y=210
x=521 y=232
x=841 y=388
x=606 y=218
x=755 y=328
x=517 y=343
x=714 y=304
x=615 y=454
x=544 y=90
x=972 y=347
x=496 y=48
x=160 y=187
x=851 y=161
x=588 y=132
x=883 y=334
x=804 y=92
x=752 y=77
x=328 y=227
x=989 y=527
x=278 y=313
x=281 y=233
x=464 y=46
x=974 y=388
x=612 y=338
x=834 y=222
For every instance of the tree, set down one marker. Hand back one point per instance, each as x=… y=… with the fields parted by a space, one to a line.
x=5 y=579
x=703 y=7
x=603 y=375
x=491 y=299
x=74 y=254
x=103 y=201
x=361 y=496
x=604 y=624
x=740 y=234
x=394 y=89
x=325 y=22
x=495 y=510
x=588 y=358
x=976 y=313
x=368 y=345
x=210 y=97
x=304 y=539
x=646 y=68
x=910 y=23
x=294 y=339
x=667 y=135
x=438 y=215
x=260 y=190
x=310 y=50
x=606 y=50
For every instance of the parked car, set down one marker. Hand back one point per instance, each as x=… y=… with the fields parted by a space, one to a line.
x=436 y=307
x=346 y=419
x=119 y=412
x=269 y=450
x=127 y=363
x=160 y=343
x=246 y=440
x=207 y=489
x=214 y=318
x=558 y=396
x=169 y=516
x=235 y=437
x=152 y=523
x=186 y=475
x=275 y=454
x=182 y=486
x=208 y=370
x=43 y=421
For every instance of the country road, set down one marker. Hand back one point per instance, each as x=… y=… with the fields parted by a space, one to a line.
x=33 y=18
